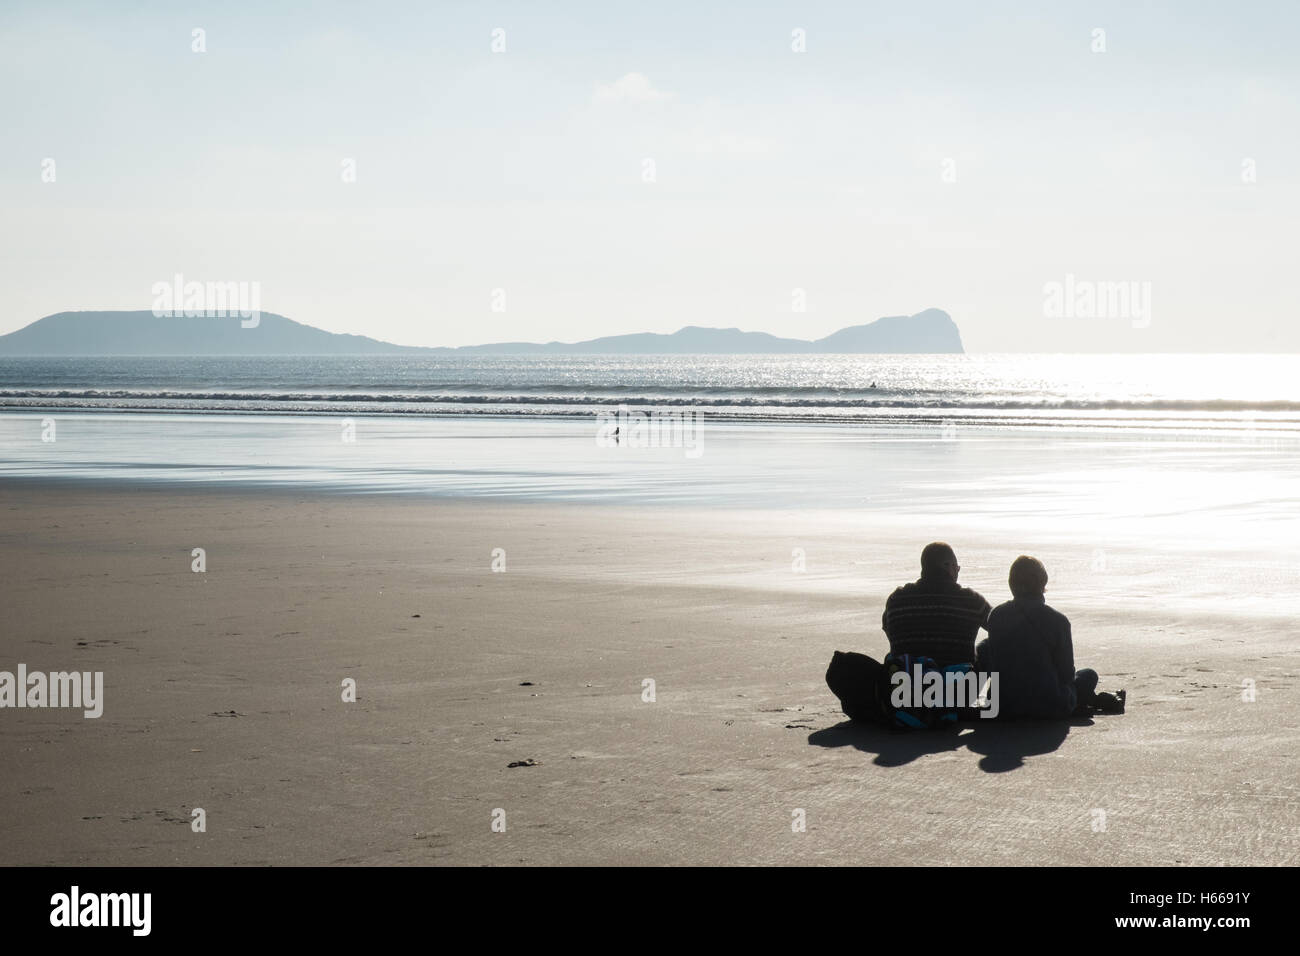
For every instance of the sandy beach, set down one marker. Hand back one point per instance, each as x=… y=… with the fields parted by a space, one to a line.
x=459 y=435
x=223 y=689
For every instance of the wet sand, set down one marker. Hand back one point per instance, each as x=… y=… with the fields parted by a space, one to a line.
x=223 y=689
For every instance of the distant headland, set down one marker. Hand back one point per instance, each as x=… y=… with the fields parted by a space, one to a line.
x=144 y=333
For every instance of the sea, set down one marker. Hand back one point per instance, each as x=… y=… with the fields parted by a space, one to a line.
x=1089 y=437
x=1197 y=391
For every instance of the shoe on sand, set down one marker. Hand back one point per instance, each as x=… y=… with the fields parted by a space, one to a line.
x=1111 y=703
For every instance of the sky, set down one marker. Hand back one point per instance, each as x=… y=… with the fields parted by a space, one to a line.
x=622 y=167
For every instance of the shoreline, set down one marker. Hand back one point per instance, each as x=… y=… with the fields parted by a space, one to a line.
x=1234 y=416
x=881 y=467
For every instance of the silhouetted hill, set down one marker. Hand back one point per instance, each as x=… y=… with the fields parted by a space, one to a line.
x=691 y=340
x=930 y=331
x=143 y=333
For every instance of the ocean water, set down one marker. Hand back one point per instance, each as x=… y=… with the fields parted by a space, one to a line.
x=1171 y=443
x=1197 y=391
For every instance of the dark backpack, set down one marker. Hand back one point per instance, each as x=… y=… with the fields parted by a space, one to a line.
x=855 y=679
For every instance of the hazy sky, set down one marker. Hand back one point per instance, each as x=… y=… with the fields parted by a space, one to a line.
x=959 y=155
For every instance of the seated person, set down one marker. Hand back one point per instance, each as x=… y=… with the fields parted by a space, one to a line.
x=933 y=617
x=1030 y=648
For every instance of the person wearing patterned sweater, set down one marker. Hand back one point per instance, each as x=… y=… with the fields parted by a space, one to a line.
x=935 y=616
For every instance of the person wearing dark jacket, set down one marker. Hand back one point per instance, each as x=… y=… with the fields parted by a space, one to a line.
x=1030 y=648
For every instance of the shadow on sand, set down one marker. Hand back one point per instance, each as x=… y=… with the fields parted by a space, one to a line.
x=1003 y=745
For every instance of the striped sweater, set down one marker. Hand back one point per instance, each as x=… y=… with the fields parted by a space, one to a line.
x=935 y=617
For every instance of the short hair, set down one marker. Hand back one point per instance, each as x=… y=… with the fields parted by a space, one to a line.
x=1028 y=577
x=934 y=555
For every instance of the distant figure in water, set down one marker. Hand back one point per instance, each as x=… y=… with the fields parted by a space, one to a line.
x=873 y=384
x=1030 y=647
x=615 y=434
